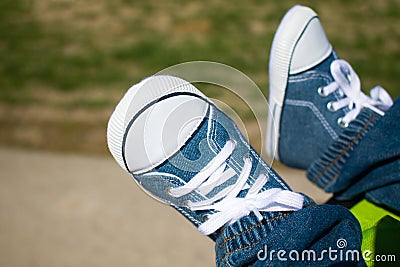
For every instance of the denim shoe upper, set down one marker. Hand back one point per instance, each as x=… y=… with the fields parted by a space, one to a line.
x=214 y=177
x=319 y=105
x=213 y=135
x=307 y=126
x=314 y=95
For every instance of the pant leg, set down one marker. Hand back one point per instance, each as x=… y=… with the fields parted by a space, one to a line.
x=298 y=238
x=365 y=160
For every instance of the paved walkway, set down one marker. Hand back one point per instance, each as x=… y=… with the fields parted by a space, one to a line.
x=70 y=210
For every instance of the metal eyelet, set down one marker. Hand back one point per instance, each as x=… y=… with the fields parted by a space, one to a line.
x=321 y=92
x=234 y=142
x=185 y=204
x=266 y=176
x=329 y=106
x=205 y=217
x=248 y=157
x=167 y=190
x=342 y=123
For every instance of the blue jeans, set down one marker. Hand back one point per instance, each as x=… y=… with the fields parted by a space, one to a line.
x=364 y=161
x=314 y=236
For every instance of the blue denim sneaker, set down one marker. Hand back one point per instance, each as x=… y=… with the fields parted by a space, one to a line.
x=313 y=95
x=184 y=152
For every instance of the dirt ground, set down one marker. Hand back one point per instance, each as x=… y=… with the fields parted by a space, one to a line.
x=73 y=210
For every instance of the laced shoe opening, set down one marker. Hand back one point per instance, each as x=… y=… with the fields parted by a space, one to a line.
x=226 y=204
x=348 y=85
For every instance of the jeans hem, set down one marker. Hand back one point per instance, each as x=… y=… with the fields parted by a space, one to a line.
x=325 y=171
x=243 y=236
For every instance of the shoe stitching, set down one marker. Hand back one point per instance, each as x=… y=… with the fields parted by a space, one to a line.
x=197 y=222
x=196 y=197
x=317 y=113
x=311 y=75
x=314 y=75
x=215 y=146
x=344 y=151
x=162 y=179
x=212 y=132
x=317 y=75
x=260 y=160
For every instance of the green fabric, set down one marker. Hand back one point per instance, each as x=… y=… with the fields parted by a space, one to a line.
x=381 y=233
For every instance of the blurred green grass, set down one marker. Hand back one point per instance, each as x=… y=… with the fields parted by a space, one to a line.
x=95 y=50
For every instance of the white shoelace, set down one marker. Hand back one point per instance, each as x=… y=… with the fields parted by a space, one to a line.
x=348 y=84
x=230 y=208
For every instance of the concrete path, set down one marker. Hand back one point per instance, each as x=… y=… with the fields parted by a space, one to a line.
x=69 y=210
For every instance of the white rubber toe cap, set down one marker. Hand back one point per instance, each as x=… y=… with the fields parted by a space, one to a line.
x=153 y=121
x=312 y=45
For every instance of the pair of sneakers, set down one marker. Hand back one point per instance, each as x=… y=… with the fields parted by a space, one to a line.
x=183 y=151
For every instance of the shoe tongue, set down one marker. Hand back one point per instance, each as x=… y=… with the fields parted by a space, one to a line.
x=200 y=149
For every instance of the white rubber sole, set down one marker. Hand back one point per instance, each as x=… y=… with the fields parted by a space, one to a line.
x=286 y=37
